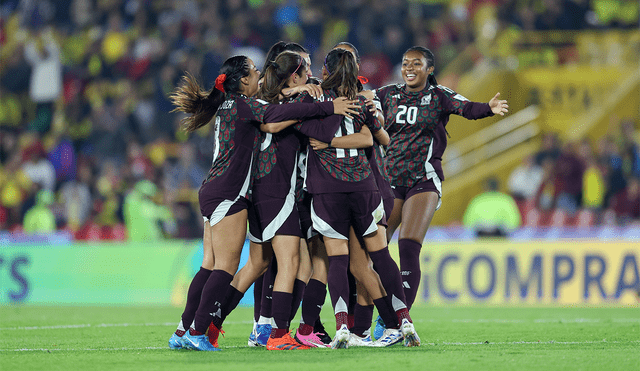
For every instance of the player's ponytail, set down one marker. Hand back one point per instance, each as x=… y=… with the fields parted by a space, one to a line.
x=343 y=73
x=428 y=55
x=202 y=105
x=277 y=73
x=278 y=48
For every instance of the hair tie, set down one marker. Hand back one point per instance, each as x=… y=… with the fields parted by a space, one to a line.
x=219 y=81
x=297 y=68
x=363 y=80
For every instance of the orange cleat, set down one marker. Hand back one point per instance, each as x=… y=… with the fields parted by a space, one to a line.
x=284 y=343
x=213 y=332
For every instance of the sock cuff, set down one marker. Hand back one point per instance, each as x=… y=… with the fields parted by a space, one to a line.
x=378 y=253
x=339 y=259
x=314 y=284
x=223 y=274
x=409 y=243
x=205 y=270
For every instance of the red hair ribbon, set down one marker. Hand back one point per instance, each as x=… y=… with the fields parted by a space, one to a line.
x=219 y=81
x=363 y=80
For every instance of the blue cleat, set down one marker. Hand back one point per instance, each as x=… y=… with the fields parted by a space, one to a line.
x=198 y=342
x=253 y=337
x=263 y=332
x=175 y=342
x=380 y=327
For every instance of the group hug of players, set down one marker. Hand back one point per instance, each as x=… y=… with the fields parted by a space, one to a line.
x=324 y=172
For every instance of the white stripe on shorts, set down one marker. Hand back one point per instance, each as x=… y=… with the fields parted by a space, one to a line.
x=222 y=209
x=323 y=227
x=377 y=214
x=431 y=174
x=289 y=203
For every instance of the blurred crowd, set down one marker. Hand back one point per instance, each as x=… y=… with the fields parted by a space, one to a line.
x=581 y=183
x=85 y=122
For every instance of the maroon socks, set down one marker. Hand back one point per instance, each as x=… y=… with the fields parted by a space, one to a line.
x=193 y=299
x=410 y=267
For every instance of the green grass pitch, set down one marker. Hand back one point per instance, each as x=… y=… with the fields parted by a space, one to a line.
x=481 y=338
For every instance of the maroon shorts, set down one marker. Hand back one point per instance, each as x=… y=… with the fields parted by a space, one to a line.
x=334 y=213
x=404 y=193
x=215 y=209
x=271 y=216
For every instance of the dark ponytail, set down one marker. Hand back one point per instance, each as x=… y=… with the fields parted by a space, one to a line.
x=202 y=105
x=343 y=73
x=278 y=48
x=277 y=73
x=431 y=60
x=351 y=46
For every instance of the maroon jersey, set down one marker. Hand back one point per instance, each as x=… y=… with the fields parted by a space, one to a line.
x=333 y=170
x=237 y=140
x=277 y=161
x=414 y=120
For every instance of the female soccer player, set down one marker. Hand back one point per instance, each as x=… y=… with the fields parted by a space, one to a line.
x=222 y=196
x=344 y=193
x=416 y=114
x=275 y=215
x=263 y=288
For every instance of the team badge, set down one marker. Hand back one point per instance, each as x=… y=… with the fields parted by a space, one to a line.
x=426 y=100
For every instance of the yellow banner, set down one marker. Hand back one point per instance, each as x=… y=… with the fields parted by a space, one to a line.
x=529 y=273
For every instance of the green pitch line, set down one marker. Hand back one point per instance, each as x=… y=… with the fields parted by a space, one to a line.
x=98 y=338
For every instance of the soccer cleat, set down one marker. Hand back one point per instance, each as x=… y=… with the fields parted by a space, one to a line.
x=357 y=341
x=213 y=333
x=390 y=336
x=322 y=334
x=341 y=340
x=411 y=338
x=259 y=335
x=175 y=342
x=253 y=337
x=311 y=340
x=380 y=327
x=198 y=342
x=284 y=343
x=264 y=331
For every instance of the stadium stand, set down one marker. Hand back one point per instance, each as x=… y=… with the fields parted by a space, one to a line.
x=84 y=109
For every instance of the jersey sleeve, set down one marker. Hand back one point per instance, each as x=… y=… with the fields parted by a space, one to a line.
x=296 y=111
x=255 y=109
x=322 y=129
x=454 y=103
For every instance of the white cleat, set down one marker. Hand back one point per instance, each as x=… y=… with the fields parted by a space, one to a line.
x=389 y=337
x=341 y=340
x=357 y=341
x=411 y=338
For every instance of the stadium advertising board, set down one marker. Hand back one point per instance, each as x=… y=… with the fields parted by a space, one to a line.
x=530 y=273
x=100 y=273
x=463 y=273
